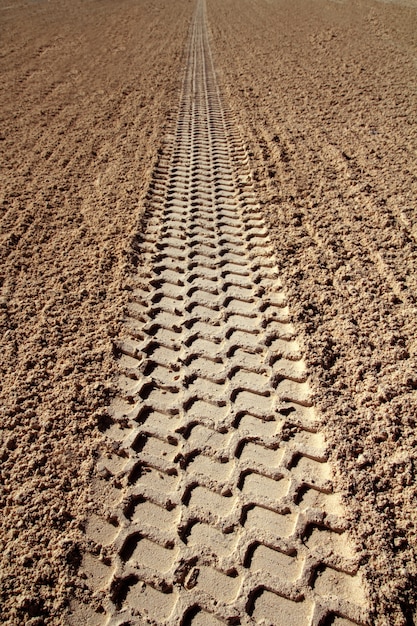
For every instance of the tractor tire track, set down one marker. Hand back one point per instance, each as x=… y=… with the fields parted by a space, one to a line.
x=223 y=510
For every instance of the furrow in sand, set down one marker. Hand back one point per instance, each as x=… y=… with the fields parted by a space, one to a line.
x=220 y=501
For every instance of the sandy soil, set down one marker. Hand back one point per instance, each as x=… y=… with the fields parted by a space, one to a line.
x=327 y=103
x=86 y=92
x=325 y=92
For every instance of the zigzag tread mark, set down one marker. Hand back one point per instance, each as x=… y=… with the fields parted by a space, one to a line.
x=219 y=504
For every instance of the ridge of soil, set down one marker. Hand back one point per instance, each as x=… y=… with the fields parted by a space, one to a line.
x=325 y=93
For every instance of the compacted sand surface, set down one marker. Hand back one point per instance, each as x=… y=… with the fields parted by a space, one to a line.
x=323 y=94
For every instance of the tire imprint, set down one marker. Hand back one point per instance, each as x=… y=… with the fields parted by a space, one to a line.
x=220 y=502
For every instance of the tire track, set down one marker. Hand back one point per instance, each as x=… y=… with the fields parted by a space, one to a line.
x=223 y=510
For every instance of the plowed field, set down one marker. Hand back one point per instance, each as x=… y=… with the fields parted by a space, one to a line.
x=208 y=308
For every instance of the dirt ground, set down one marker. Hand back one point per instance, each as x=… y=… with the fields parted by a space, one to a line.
x=325 y=93
x=86 y=92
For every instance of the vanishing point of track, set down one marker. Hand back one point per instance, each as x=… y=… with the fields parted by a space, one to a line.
x=226 y=512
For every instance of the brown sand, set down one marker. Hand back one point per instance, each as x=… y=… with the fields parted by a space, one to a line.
x=87 y=88
x=326 y=95
x=324 y=92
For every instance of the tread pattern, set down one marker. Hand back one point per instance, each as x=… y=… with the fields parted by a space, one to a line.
x=224 y=511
